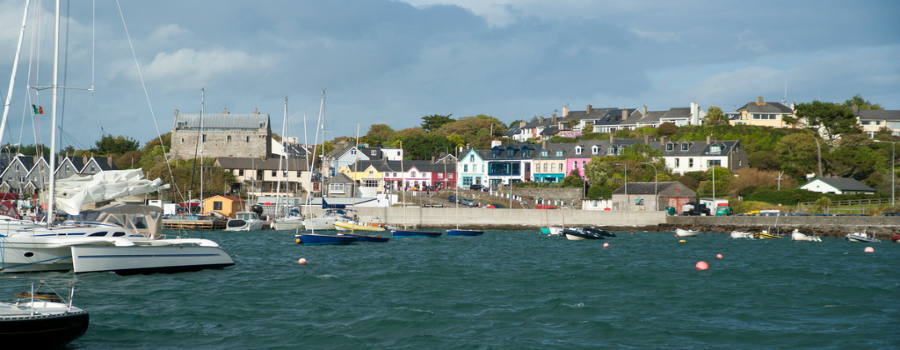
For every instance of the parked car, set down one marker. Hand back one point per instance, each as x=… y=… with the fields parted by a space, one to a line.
x=451 y=199
x=496 y=206
x=476 y=187
x=467 y=202
x=889 y=214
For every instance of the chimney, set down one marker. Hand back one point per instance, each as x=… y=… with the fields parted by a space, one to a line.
x=565 y=111
x=759 y=101
x=855 y=109
x=663 y=140
x=588 y=110
x=225 y=111
x=647 y=139
x=522 y=124
x=624 y=114
x=695 y=113
x=256 y=111
x=176 y=112
x=541 y=119
x=544 y=144
x=710 y=138
x=644 y=111
x=84 y=159
x=612 y=138
x=553 y=119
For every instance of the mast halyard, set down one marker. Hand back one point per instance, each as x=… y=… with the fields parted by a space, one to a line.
x=52 y=186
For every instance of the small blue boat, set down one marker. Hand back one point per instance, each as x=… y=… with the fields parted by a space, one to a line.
x=314 y=239
x=460 y=232
x=408 y=233
x=366 y=238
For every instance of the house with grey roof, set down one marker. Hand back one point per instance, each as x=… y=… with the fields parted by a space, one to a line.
x=510 y=163
x=836 y=185
x=223 y=135
x=267 y=177
x=652 y=196
x=763 y=113
x=687 y=156
x=874 y=120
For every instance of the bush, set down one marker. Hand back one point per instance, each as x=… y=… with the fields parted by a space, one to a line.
x=599 y=192
x=667 y=129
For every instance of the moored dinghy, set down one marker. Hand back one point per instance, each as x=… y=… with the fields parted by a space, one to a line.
x=580 y=234
x=741 y=235
x=413 y=233
x=317 y=239
x=686 y=233
x=802 y=237
x=463 y=232
x=861 y=237
x=598 y=231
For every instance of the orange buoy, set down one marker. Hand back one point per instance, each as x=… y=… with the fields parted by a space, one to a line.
x=632 y=232
x=298 y=240
x=719 y=256
x=302 y=261
x=702 y=265
x=605 y=245
x=682 y=241
x=870 y=250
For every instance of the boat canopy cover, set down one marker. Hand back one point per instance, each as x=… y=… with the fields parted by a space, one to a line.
x=76 y=191
x=325 y=205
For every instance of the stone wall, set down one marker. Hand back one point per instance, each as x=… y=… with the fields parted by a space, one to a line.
x=827 y=226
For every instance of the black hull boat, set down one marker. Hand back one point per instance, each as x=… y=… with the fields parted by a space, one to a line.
x=366 y=238
x=37 y=320
x=577 y=235
x=598 y=231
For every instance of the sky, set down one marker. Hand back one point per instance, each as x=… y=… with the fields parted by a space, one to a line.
x=393 y=62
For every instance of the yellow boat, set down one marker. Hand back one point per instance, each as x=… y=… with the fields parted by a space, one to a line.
x=765 y=235
x=356 y=226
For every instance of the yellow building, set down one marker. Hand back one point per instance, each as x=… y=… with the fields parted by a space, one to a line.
x=226 y=205
x=762 y=113
x=370 y=176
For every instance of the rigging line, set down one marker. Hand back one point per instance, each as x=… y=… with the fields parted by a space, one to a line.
x=150 y=106
x=62 y=111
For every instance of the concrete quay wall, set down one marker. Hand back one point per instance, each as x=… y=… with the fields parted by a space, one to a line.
x=510 y=219
x=517 y=219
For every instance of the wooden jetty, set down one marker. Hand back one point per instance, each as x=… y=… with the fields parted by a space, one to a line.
x=175 y=224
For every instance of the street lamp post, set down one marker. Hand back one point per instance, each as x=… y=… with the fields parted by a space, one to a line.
x=626 y=185
x=892 y=169
x=655 y=186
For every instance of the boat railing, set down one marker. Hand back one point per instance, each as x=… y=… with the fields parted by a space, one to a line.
x=39 y=289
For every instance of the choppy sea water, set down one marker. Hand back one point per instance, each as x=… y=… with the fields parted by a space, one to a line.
x=507 y=290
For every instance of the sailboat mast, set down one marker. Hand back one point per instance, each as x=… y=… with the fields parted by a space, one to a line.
x=53 y=121
x=280 y=159
x=12 y=78
x=402 y=190
x=202 y=139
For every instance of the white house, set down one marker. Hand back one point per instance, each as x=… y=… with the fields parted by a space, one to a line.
x=836 y=186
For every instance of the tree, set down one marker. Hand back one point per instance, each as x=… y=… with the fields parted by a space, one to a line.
x=456 y=140
x=597 y=192
x=714 y=116
x=587 y=129
x=380 y=132
x=514 y=122
x=435 y=121
x=797 y=154
x=834 y=119
x=573 y=179
x=861 y=103
x=109 y=144
x=667 y=129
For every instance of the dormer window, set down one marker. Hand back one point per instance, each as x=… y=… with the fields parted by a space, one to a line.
x=559 y=153
x=620 y=150
x=509 y=152
x=595 y=149
x=670 y=146
x=374 y=153
x=715 y=148
x=495 y=152
x=685 y=146
x=578 y=150
x=544 y=153
x=611 y=151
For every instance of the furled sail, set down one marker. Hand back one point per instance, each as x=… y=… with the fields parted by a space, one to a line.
x=76 y=191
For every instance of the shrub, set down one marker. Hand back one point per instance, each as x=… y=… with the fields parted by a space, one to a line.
x=598 y=192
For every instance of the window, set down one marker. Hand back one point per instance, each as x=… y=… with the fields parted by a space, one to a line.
x=685 y=146
x=371 y=173
x=335 y=188
x=240 y=172
x=228 y=138
x=670 y=146
x=578 y=150
x=472 y=158
x=594 y=150
x=467 y=180
x=204 y=138
x=440 y=175
x=465 y=168
x=690 y=162
x=182 y=140
x=677 y=162
x=545 y=167
x=716 y=162
x=374 y=153
x=248 y=138
x=559 y=153
x=413 y=174
x=611 y=151
x=353 y=151
x=620 y=150
x=217 y=205
x=544 y=153
x=370 y=183
x=715 y=148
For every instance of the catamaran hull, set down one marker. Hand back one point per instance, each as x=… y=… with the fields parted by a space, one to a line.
x=34 y=258
x=144 y=260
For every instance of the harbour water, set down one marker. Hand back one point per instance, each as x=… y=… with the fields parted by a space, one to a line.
x=507 y=290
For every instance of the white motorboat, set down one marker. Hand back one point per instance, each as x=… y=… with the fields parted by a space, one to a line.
x=741 y=235
x=686 y=233
x=861 y=237
x=42 y=315
x=802 y=237
x=244 y=221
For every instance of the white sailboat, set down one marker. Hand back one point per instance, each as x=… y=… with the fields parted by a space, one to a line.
x=289 y=221
x=458 y=231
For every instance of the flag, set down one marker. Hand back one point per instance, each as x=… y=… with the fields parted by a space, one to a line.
x=41 y=109
x=35 y=109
